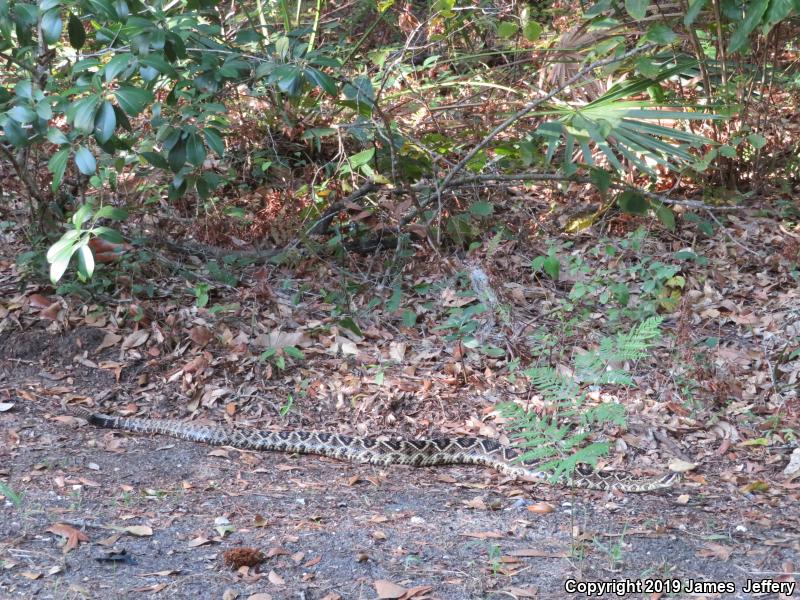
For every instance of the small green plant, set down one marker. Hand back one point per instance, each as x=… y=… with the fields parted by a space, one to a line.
x=462 y=324
x=494 y=552
x=558 y=437
x=286 y=406
x=278 y=355
x=14 y=497
x=614 y=551
x=76 y=240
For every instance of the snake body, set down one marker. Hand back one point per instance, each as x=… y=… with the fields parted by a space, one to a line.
x=382 y=451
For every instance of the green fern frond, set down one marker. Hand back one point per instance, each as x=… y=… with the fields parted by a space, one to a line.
x=552 y=437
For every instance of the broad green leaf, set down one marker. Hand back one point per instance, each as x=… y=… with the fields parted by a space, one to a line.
x=77 y=34
x=757 y=141
x=111 y=212
x=532 y=31
x=24 y=89
x=59 y=266
x=57 y=165
x=51 y=26
x=82 y=113
x=108 y=234
x=753 y=14
x=507 y=29
x=695 y=6
x=22 y=114
x=291 y=81
x=195 y=150
x=552 y=267
x=105 y=122
x=361 y=158
x=660 y=34
x=117 y=65
x=83 y=214
x=85 y=161
x=325 y=82
x=633 y=203
x=133 y=100
x=68 y=240
x=666 y=216
x=214 y=141
x=15 y=133
x=155 y=159
x=778 y=11
x=637 y=9
x=85 y=262
x=481 y=209
x=44 y=110
x=177 y=156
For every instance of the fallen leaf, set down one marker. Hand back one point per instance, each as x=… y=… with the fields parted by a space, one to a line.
x=32 y=575
x=135 y=339
x=110 y=339
x=681 y=466
x=199 y=541
x=388 y=590
x=712 y=550
x=536 y=553
x=39 y=301
x=519 y=592
x=230 y=594
x=484 y=535
x=260 y=596
x=541 y=508
x=791 y=471
x=276 y=579
x=139 y=530
x=4 y=406
x=72 y=535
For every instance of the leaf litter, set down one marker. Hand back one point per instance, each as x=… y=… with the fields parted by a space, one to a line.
x=725 y=423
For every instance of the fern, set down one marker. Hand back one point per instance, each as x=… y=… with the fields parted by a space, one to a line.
x=557 y=441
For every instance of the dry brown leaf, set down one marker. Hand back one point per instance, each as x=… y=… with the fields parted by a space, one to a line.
x=416 y=592
x=200 y=335
x=139 y=530
x=110 y=339
x=388 y=590
x=792 y=470
x=536 y=553
x=484 y=535
x=275 y=579
x=277 y=551
x=155 y=588
x=260 y=596
x=681 y=466
x=312 y=562
x=32 y=575
x=230 y=594
x=72 y=535
x=39 y=301
x=541 y=508
x=712 y=550
x=519 y=592
x=199 y=541
x=135 y=339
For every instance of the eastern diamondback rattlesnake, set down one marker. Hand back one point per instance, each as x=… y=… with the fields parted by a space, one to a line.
x=380 y=451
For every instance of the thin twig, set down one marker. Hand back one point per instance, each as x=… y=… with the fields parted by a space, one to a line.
x=730 y=237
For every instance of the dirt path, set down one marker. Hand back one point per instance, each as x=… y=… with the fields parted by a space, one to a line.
x=331 y=530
